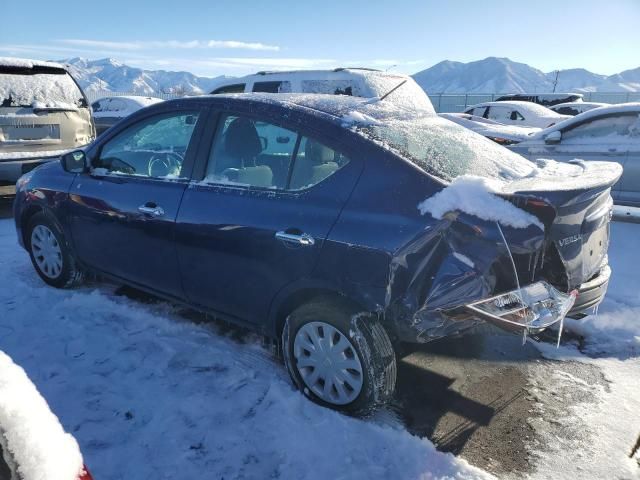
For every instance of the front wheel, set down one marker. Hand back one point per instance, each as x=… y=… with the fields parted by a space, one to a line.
x=50 y=254
x=339 y=358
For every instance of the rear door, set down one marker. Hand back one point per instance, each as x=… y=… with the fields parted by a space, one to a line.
x=123 y=213
x=269 y=195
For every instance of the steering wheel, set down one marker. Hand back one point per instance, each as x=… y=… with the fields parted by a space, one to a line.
x=165 y=163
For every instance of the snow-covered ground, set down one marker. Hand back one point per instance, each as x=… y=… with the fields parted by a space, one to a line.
x=149 y=394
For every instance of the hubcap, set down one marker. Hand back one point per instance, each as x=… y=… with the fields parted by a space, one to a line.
x=46 y=251
x=328 y=363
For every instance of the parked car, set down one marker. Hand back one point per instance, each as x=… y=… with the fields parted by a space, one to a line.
x=609 y=134
x=574 y=108
x=524 y=114
x=43 y=113
x=358 y=82
x=544 y=99
x=298 y=216
x=498 y=132
x=108 y=111
x=33 y=444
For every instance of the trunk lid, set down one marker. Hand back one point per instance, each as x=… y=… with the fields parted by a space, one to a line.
x=573 y=201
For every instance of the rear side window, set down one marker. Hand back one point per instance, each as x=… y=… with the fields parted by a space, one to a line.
x=255 y=153
x=332 y=87
x=235 y=88
x=314 y=162
x=272 y=87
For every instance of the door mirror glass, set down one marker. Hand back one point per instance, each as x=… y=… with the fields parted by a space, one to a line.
x=553 y=137
x=74 y=162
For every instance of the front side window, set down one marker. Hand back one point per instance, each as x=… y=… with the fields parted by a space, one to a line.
x=621 y=128
x=255 y=153
x=154 y=147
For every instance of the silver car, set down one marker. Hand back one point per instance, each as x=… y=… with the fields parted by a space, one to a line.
x=609 y=133
x=43 y=114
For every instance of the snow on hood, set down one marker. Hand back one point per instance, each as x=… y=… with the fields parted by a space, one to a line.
x=477 y=196
x=33 y=435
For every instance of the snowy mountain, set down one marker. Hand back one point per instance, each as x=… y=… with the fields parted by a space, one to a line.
x=491 y=75
x=501 y=75
x=111 y=75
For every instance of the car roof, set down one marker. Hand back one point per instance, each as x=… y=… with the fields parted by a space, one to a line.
x=334 y=107
x=307 y=74
x=578 y=104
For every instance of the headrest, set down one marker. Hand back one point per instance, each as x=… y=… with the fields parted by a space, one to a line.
x=242 y=140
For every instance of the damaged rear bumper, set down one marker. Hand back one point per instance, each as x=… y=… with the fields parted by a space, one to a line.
x=533 y=308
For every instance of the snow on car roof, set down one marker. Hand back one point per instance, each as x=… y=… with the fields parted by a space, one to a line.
x=27 y=63
x=529 y=107
x=334 y=105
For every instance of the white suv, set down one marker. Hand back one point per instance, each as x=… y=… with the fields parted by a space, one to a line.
x=358 y=82
x=43 y=114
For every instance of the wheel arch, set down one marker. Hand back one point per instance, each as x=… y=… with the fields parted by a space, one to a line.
x=293 y=297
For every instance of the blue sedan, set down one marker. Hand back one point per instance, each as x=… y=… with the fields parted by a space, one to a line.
x=298 y=216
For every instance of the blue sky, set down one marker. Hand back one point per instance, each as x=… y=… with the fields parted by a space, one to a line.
x=238 y=37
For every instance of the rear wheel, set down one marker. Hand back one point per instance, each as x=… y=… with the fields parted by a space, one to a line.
x=50 y=254
x=339 y=358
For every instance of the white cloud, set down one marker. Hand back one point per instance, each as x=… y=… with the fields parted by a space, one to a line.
x=152 y=44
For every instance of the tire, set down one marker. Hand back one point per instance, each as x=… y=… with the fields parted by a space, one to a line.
x=357 y=339
x=44 y=236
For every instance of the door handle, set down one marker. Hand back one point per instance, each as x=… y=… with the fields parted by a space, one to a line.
x=148 y=209
x=296 y=238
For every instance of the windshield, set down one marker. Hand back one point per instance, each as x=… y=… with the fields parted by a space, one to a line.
x=446 y=150
x=33 y=89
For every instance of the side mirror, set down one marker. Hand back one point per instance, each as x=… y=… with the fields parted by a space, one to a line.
x=264 y=142
x=74 y=162
x=553 y=138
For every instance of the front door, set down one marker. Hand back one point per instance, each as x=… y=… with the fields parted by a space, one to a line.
x=124 y=211
x=259 y=218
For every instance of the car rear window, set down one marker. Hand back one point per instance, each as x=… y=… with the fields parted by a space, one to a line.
x=446 y=150
x=28 y=88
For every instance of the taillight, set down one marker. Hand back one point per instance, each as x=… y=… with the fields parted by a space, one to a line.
x=85 y=475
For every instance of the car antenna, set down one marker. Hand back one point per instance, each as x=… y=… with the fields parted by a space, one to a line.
x=393 y=89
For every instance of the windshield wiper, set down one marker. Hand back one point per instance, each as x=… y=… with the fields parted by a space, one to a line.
x=393 y=89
